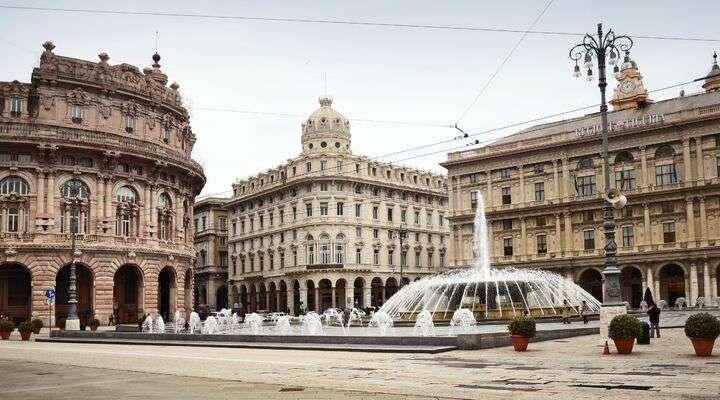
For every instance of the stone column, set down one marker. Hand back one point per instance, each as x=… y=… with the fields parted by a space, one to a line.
x=699 y=159
x=317 y=299
x=648 y=227
x=304 y=297
x=650 y=283
x=713 y=287
x=333 y=292
x=489 y=197
x=521 y=172
x=706 y=283
x=40 y=201
x=703 y=223
x=690 y=217
x=211 y=294
x=569 y=245
x=566 y=177
x=50 y=204
x=643 y=164
x=686 y=162
x=558 y=234
x=278 y=307
x=523 y=245
x=367 y=295
x=108 y=198
x=291 y=301
x=693 y=285
x=100 y=199
x=556 y=179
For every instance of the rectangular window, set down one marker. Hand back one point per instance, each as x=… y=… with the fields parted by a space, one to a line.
x=15 y=106
x=294 y=212
x=506 y=196
x=323 y=186
x=357 y=210
x=77 y=113
x=430 y=259
x=234 y=228
x=665 y=174
x=428 y=220
x=323 y=208
x=668 y=232
x=294 y=234
x=282 y=215
x=308 y=210
x=539 y=191
x=403 y=215
x=375 y=212
x=417 y=259
x=717 y=162
x=473 y=199
x=358 y=256
x=540 y=221
x=358 y=231
x=204 y=223
x=585 y=185
x=625 y=180
x=129 y=123
x=308 y=166
x=541 y=244
x=628 y=236
x=376 y=256
x=323 y=165
x=282 y=260
x=390 y=214
x=507 y=247
x=507 y=224
x=390 y=258
x=589 y=239
x=294 y=171
x=505 y=173
x=340 y=208
x=357 y=168
x=417 y=217
x=262 y=221
x=475 y=178
x=376 y=233
x=403 y=258
x=538 y=169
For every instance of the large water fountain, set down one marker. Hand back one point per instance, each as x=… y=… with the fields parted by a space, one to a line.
x=488 y=293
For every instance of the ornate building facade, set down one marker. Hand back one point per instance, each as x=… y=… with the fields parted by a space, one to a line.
x=211 y=253
x=101 y=151
x=333 y=229
x=543 y=190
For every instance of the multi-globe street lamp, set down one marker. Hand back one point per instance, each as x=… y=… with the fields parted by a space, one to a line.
x=605 y=47
x=72 y=321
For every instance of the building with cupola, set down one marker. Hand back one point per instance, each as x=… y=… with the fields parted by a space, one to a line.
x=98 y=154
x=330 y=228
x=543 y=190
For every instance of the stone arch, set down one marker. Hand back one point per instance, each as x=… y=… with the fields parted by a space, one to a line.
x=623 y=157
x=167 y=292
x=664 y=151
x=341 y=293
x=672 y=282
x=252 y=300
x=376 y=292
x=129 y=293
x=391 y=287
x=15 y=291
x=631 y=285
x=591 y=280
x=85 y=290
x=221 y=297
x=24 y=178
x=283 y=296
x=262 y=297
x=272 y=291
x=296 y=297
x=660 y=267
x=359 y=292
x=312 y=303
x=325 y=294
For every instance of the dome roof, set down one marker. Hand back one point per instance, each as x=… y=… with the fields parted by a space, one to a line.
x=712 y=79
x=326 y=115
x=326 y=126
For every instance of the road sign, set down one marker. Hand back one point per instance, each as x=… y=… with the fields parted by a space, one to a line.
x=50 y=293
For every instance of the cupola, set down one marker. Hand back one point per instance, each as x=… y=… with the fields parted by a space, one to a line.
x=326 y=130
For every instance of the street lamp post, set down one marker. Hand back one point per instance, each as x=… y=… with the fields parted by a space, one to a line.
x=605 y=46
x=401 y=233
x=72 y=323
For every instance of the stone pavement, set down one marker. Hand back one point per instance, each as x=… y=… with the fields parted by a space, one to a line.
x=560 y=369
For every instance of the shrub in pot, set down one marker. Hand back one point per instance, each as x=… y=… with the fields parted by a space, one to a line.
x=521 y=330
x=93 y=324
x=6 y=328
x=702 y=329
x=623 y=330
x=26 y=329
x=37 y=325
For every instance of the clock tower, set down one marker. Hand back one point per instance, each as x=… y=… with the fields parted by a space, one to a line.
x=630 y=92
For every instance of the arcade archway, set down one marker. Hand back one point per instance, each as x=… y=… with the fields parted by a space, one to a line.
x=167 y=293
x=83 y=293
x=128 y=290
x=15 y=291
x=591 y=281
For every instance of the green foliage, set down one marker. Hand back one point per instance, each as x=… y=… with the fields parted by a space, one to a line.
x=7 y=326
x=25 y=326
x=523 y=326
x=702 y=326
x=37 y=324
x=624 y=326
x=94 y=322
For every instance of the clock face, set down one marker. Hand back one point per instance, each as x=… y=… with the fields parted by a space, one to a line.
x=627 y=87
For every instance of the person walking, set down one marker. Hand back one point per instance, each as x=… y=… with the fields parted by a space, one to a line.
x=584 y=312
x=653 y=313
x=566 y=312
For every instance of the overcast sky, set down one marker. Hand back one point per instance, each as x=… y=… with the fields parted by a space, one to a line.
x=418 y=75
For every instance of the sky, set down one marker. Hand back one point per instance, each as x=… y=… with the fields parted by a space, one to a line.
x=372 y=73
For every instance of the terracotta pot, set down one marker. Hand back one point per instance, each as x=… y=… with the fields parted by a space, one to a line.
x=703 y=347
x=5 y=335
x=93 y=328
x=25 y=335
x=520 y=343
x=624 y=345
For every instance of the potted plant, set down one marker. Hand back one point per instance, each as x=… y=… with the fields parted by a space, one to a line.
x=37 y=325
x=6 y=328
x=26 y=329
x=702 y=329
x=60 y=323
x=93 y=324
x=521 y=330
x=623 y=330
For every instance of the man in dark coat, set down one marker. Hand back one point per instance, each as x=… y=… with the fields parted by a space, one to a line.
x=653 y=313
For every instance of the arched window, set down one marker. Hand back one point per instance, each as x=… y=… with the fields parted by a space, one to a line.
x=127 y=194
x=664 y=151
x=127 y=214
x=74 y=207
x=310 y=249
x=325 y=249
x=340 y=249
x=624 y=157
x=165 y=217
x=14 y=184
x=585 y=163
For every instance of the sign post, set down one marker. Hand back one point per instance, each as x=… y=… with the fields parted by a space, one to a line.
x=50 y=294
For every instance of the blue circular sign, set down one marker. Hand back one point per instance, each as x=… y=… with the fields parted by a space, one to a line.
x=50 y=294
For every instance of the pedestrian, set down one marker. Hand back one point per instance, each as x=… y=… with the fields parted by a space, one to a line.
x=584 y=312
x=302 y=308
x=566 y=312
x=653 y=313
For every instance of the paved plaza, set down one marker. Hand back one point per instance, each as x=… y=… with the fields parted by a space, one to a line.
x=560 y=369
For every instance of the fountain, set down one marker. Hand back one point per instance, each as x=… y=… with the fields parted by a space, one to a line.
x=311 y=324
x=424 y=325
x=463 y=321
x=680 y=303
x=282 y=325
x=254 y=322
x=355 y=318
x=158 y=325
x=147 y=325
x=662 y=304
x=382 y=321
x=488 y=293
x=211 y=326
x=700 y=302
x=194 y=323
x=643 y=306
